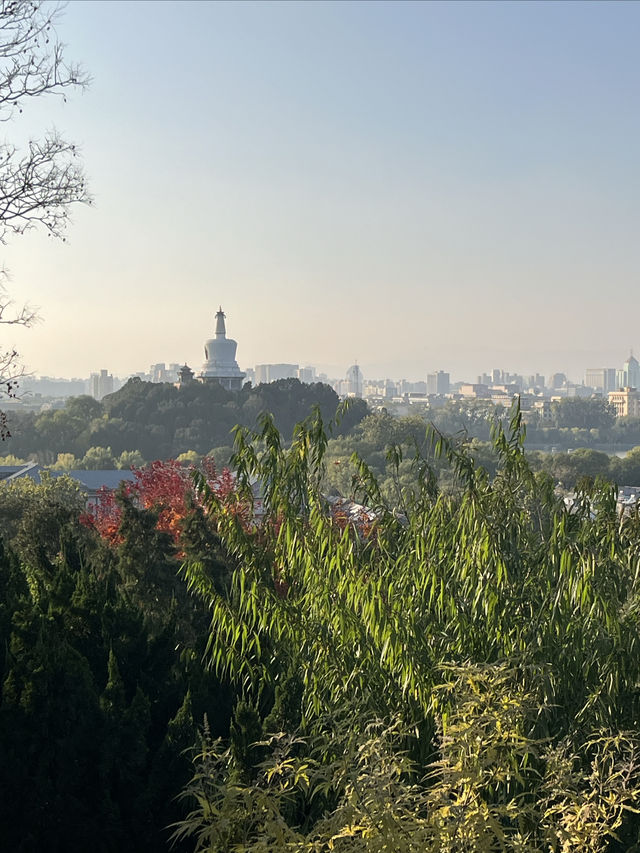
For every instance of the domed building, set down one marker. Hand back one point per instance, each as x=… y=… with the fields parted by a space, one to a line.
x=220 y=358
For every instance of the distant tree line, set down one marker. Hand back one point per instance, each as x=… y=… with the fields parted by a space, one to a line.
x=573 y=422
x=147 y=421
x=374 y=436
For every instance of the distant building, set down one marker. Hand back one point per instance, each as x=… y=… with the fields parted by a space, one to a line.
x=534 y=382
x=438 y=383
x=354 y=381
x=47 y=386
x=603 y=379
x=373 y=389
x=407 y=388
x=469 y=389
x=100 y=384
x=538 y=412
x=557 y=380
x=629 y=375
x=185 y=375
x=220 y=354
x=626 y=402
x=261 y=373
x=273 y=372
x=307 y=375
x=390 y=389
x=508 y=389
x=162 y=373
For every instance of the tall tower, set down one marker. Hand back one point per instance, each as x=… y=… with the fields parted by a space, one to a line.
x=629 y=376
x=354 y=381
x=220 y=358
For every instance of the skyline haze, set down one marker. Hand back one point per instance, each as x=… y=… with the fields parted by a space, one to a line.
x=415 y=186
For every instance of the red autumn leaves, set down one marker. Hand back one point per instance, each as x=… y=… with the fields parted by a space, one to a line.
x=167 y=488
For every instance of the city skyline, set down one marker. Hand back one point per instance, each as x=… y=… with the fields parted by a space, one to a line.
x=328 y=372
x=379 y=370
x=415 y=186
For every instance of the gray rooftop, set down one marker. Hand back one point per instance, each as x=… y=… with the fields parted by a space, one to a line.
x=89 y=481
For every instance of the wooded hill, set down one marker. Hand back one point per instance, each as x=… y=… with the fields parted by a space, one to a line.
x=160 y=421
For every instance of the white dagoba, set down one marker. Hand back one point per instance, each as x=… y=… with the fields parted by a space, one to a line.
x=220 y=354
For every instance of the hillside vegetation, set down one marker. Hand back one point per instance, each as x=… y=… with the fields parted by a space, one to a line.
x=428 y=669
x=160 y=421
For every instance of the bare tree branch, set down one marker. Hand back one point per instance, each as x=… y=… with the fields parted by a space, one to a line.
x=41 y=182
x=9 y=316
x=38 y=186
x=31 y=56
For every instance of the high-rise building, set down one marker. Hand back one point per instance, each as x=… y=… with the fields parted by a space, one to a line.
x=100 y=384
x=354 y=381
x=629 y=375
x=220 y=354
x=162 y=373
x=307 y=374
x=438 y=382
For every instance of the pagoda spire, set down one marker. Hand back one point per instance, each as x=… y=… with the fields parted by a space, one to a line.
x=221 y=331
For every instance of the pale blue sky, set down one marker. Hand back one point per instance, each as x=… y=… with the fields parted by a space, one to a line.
x=418 y=186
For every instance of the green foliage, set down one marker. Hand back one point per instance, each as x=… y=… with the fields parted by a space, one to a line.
x=221 y=456
x=190 y=457
x=98 y=459
x=33 y=516
x=66 y=462
x=160 y=421
x=585 y=413
x=373 y=615
x=10 y=459
x=101 y=677
x=129 y=459
x=489 y=787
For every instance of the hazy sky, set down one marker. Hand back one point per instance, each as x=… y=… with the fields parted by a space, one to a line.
x=417 y=186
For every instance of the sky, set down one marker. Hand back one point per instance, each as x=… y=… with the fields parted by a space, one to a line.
x=415 y=186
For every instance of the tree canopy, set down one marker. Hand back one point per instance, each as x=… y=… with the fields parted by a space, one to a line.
x=160 y=421
x=459 y=676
